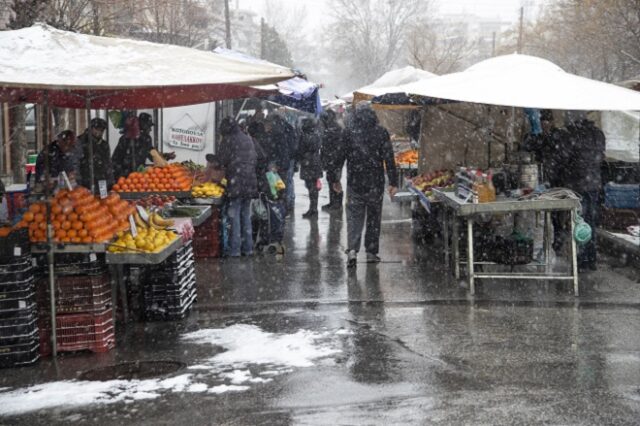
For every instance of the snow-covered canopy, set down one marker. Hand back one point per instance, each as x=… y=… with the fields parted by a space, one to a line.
x=120 y=73
x=389 y=82
x=524 y=81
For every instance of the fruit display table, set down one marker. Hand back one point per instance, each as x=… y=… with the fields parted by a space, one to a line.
x=455 y=210
x=144 y=258
x=139 y=195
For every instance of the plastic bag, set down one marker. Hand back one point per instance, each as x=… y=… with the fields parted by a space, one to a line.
x=275 y=183
x=258 y=209
x=319 y=184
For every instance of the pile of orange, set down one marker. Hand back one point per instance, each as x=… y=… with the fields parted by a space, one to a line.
x=407 y=157
x=172 y=178
x=78 y=216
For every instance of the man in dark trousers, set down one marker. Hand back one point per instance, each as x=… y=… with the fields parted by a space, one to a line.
x=331 y=145
x=239 y=158
x=586 y=153
x=368 y=152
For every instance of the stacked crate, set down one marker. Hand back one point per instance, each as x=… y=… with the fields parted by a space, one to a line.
x=84 y=318
x=18 y=316
x=169 y=289
x=206 y=240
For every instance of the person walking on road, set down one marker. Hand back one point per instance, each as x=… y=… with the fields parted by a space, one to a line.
x=331 y=145
x=368 y=152
x=238 y=157
x=310 y=164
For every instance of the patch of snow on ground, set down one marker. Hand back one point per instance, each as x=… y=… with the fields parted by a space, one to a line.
x=227 y=388
x=244 y=344
x=248 y=344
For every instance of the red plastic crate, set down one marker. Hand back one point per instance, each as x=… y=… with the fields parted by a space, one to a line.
x=77 y=332
x=77 y=294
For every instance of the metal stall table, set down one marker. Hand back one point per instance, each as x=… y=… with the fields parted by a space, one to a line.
x=117 y=261
x=455 y=209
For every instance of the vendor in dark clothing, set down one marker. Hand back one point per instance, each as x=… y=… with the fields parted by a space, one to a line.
x=586 y=147
x=331 y=146
x=60 y=156
x=135 y=147
x=102 y=168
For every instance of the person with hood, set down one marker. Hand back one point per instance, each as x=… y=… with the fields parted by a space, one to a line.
x=101 y=160
x=331 y=146
x=368 y=152
x=257 y=132
x=238 y=157
x=586 y=148
x=310 y=164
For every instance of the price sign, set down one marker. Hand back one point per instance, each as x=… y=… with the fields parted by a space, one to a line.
x=92 y=257
x=66 y=180
x=102 y=186
x=17 y=251
x=132 y=223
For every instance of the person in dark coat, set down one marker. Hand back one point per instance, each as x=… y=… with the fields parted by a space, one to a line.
x=368 y=152
x=277 y=146
x=586 y=154
x=59 y=151
x=135 y=147
x=102 y=166
x=238 y=157
x=331 y=145
x=310 y=164
x=258 y=133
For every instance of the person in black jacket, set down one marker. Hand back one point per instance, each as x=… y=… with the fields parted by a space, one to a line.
x=310 y=164
x=238 y=157
x=102 y=167
x=583 y=175
x=367 y=151
x=59 y=152
x=331 y=145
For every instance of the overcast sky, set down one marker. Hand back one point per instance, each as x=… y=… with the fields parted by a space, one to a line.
x=504 y=9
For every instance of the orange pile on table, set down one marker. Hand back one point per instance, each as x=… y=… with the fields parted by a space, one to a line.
x=78 y=216
x=407 y=157
x=171 y=178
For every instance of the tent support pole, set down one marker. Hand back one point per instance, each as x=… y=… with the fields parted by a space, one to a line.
x=244 y=103
x=90 y=141
x=50 y=258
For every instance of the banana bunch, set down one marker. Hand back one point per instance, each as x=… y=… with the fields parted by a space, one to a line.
x=157 y=222
x=207 y=189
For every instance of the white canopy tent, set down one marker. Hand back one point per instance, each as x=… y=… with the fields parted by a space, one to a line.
x=389 y=82
x=120 y=73
x=527 y=82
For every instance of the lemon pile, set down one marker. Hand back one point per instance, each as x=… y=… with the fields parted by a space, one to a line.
x=148 y=240
x=207 y=189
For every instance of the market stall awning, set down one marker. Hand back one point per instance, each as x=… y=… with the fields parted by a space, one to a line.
x=523 y=81
x=120 y=73
x=388 y=83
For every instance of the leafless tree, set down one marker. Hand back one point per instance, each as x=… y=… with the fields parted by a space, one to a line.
x=596 y=38
x=369 y=36
x=437 y=49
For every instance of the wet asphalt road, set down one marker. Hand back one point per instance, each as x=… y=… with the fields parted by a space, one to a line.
x=414 y=348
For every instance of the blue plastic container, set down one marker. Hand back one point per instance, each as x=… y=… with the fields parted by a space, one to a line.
x=622 y=196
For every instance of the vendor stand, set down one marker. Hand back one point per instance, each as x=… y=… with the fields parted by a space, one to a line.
x=500 y=87
x=127 y=81
x=456 y=209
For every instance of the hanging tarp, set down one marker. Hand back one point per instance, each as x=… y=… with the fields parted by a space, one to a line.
x=524 y=81
x=295 y=92
x=120 y=73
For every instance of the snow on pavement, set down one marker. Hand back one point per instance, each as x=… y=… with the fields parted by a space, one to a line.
x=244 y=345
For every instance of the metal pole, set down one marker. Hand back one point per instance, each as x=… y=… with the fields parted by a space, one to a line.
x=227 y=24
x=50 y=258
x=90 y=142
x=520 y=35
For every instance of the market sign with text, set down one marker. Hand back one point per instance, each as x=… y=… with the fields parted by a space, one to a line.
x=186 y=138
